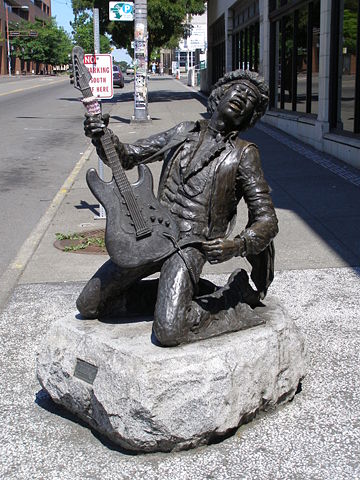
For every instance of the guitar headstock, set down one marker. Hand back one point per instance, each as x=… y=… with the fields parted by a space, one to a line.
x=81 y=74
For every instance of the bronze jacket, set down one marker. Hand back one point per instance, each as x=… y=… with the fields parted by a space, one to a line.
x=238 y=174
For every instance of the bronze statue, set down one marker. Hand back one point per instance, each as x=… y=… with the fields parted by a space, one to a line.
x=207 y=169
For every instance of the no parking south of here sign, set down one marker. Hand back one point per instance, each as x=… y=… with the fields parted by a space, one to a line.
x=100 y=67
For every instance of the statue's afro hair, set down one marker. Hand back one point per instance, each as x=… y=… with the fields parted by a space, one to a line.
x=232 y=78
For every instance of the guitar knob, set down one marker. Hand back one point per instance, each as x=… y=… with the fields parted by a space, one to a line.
x=160 y=219
x=152 y=218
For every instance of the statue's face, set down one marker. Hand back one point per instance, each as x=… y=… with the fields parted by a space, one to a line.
x=236 y=107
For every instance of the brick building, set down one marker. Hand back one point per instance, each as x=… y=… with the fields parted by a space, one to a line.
x=19 y=10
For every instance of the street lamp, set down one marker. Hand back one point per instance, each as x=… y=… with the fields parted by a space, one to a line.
x=7 y=38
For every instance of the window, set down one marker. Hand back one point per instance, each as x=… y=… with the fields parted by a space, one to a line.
x=295 y=43
x=344 y=103
x=245 y=40
x=217 y=46
x=350 y=69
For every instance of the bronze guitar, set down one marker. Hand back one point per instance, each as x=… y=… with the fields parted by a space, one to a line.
x=139 y=230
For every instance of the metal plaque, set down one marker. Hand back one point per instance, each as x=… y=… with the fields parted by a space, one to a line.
x=85 y=371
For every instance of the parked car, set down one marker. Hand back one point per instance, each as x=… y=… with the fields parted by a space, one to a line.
x=118 y=77
x=130 y=71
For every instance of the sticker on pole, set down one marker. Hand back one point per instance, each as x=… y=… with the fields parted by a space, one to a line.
x=121 y=11
x=100 y=68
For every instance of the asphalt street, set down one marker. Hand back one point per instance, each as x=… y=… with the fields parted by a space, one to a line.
x=42 y=138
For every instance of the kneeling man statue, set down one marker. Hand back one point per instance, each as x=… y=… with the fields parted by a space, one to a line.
x=207 y=170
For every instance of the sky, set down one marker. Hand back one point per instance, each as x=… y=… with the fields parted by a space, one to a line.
x=62 y=11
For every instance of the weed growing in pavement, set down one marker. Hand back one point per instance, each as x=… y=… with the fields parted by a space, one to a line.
x=83 y=240
x=68 y=236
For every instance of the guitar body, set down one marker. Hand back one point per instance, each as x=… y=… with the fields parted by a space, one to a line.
x=124 y=247
x=139 y=230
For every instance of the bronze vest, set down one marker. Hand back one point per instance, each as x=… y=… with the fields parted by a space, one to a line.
x=222 y=205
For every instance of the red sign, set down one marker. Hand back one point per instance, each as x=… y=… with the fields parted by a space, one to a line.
x=100 y=68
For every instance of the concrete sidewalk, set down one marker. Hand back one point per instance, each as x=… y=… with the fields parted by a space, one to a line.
x=317 y=279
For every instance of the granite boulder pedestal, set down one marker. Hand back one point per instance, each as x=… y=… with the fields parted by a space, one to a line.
x=146 y=398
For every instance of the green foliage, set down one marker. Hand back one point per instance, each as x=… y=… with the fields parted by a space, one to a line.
x=81 y=241
x=350 y=31
x=122 y=65
x=165 y=21
x=83 y=33
x=67 y=236
x=51 y=46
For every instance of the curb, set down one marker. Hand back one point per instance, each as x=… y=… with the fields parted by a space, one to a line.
x=10 y=277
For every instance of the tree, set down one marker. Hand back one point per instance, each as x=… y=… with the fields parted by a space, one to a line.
x=122 y=65
x=166 y=21
x=350 y=30
x=83 y=33
x=52 y=45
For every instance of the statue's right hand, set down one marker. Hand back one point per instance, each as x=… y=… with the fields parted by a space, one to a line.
x=94 y=125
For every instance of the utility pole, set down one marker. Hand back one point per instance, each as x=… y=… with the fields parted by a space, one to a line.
x=96 y=30
x=141 y=63
x=8 y=38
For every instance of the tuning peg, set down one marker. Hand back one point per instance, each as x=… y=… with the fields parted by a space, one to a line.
x=71 y=72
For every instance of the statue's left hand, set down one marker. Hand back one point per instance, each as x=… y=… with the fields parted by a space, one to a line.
x=94 y=124
x=220 y=250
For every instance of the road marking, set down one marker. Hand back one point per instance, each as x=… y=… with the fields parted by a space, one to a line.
x=30 y=88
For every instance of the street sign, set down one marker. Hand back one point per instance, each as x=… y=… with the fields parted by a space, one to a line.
x=121 y=11
x=100 y=67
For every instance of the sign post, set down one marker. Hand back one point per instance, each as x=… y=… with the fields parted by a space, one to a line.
x=101 y=83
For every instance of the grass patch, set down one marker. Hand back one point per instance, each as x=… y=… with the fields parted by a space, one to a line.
x=73 y=242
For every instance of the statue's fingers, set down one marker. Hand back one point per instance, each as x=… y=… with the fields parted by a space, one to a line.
x=216 y=241
x=214 y=260
x=210 y=246
x=96 y=126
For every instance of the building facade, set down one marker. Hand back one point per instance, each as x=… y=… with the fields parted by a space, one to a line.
x=18 y=10
x=191 y=51
x=308 y=52
x=190 y=48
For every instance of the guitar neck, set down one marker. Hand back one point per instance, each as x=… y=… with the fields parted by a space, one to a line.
x=93 y=107
x=113 y=160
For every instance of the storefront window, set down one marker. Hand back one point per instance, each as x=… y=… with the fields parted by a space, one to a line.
x=217 y=48
x=350 y=67
x=295 y=58
x=245 y=37
x=246 y=48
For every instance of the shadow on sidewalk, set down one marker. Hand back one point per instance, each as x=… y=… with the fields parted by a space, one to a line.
x=44 y=401
x=326 y=202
